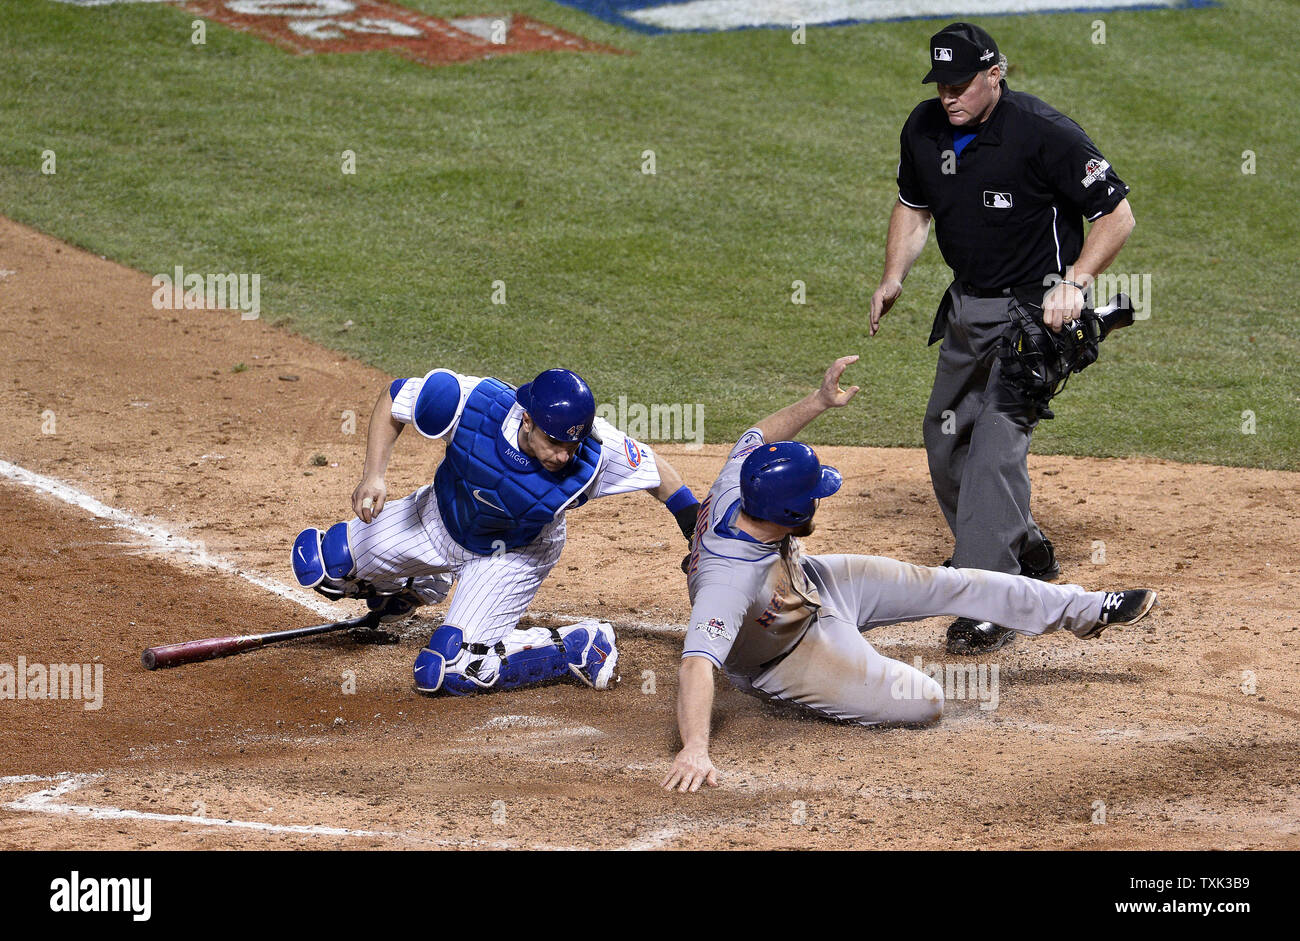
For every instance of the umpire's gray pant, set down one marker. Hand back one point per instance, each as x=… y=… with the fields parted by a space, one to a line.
x=977 y=439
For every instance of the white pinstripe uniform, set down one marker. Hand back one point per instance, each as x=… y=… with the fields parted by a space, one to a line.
x=409 y=539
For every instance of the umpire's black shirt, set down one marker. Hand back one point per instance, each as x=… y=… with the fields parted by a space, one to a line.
x=1012 y=213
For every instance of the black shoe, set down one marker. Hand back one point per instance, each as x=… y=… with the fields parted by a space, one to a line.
x=1040 y=562
x=968 y=636
x=394 y=607
x=1120 y=608
x=336 y=589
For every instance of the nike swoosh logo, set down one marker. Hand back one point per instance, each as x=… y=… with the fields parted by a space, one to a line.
x=486 y=502
x=301 y=556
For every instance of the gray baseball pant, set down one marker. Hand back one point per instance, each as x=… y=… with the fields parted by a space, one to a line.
x=977 y=437
x=834 y=671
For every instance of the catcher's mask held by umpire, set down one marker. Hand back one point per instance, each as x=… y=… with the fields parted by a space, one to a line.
x=560 y=403
x=1037 y=363
x=782 y=482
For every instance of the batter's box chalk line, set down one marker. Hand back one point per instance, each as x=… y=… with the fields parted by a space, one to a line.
x=46 y=801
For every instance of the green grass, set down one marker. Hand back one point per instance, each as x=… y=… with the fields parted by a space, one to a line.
x=775 y=163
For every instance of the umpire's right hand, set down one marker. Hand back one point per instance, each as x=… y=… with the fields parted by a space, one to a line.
x=882 y=300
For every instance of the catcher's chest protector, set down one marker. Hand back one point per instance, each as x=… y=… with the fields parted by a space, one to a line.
x=491 y=495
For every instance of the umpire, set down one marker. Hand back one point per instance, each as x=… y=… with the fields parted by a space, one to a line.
x=1008 y=180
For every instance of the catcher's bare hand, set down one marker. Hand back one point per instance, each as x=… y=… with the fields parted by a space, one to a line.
x=831 y=394
x=690 y=769
x=1061 y=304
x=882 y=300
x=368 y=498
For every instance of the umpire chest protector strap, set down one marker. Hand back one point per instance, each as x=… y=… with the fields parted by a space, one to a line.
x=490 y=494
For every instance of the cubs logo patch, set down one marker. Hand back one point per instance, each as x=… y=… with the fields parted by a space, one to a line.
x=1093 y=171
x=634 y=452
x=714 y=629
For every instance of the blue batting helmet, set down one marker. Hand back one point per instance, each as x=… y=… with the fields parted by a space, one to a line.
x=560 y=403
x=781 y=483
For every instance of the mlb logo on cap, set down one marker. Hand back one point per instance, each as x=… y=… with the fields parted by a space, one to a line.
x=958 y=51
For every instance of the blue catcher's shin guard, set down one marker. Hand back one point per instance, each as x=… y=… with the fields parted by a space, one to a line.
x=449 y=665
x=431 y=663
x=323 y=562
x=308 y=566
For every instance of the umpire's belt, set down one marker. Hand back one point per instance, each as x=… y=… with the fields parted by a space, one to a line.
x=1015 y=291
x=1026 y=292
x=975 y=291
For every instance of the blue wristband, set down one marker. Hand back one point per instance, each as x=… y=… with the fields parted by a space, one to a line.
x=680 y=500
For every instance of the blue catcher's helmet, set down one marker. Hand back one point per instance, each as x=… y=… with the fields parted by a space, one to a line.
x=782 y=482
x=560 y=403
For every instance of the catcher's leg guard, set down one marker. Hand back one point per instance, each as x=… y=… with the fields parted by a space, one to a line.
x=324 y=562
x=431 y=663
x=584 y=650
x=308 y=565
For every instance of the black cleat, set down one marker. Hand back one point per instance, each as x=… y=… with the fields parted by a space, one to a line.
x=1121 y=608
x=1040 y=562
x=968 y=636
x=336 y=589
x=394 y=607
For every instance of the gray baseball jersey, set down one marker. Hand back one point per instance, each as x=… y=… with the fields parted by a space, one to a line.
x=751 y=601
x=787 y=626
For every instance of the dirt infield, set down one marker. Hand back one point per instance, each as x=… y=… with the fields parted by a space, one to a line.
x=325 y=744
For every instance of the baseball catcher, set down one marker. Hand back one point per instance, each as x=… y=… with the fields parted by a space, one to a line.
x=492 y=521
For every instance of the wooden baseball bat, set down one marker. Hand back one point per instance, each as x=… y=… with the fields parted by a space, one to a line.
x=193 y=651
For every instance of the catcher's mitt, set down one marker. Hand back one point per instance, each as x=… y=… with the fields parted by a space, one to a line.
x=1037 y=362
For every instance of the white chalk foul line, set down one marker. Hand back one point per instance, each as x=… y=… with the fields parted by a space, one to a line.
x=44 y=802
x=162 y=540
x=655 y=840
x=33 y=778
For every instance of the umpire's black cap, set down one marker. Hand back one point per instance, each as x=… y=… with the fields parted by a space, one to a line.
x=958 y=52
